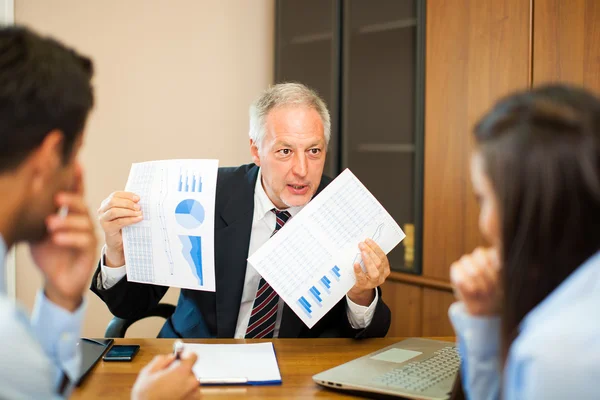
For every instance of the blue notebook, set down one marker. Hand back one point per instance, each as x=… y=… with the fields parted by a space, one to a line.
x=235 y=364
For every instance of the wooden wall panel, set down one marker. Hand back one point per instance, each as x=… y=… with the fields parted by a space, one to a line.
x=405 y=304
x=566 y=42
x=477 y=51
x=435 y=313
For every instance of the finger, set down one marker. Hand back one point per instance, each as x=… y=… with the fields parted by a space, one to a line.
x=121 y=223
x=160 y=362
x=475 y=276
x=74 y=240
x=118 y=202
x=361 y=278
x=376 y=249
x=75 y=202
x=116 y=213
x=460 y=279
x=371 y=262
x=487 y=270
x=188 y=361
x=124 y=195
x=70 y=223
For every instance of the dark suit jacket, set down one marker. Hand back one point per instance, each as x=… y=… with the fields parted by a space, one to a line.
x=207 y=314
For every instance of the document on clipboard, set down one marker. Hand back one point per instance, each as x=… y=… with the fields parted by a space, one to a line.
x=235 y=364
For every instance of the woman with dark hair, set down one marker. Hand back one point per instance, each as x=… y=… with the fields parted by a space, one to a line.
x=527 y=317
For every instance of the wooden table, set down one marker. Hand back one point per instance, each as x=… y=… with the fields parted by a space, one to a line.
x=299 y=360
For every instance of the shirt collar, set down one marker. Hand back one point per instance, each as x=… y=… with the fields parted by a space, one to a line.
x=262 y=204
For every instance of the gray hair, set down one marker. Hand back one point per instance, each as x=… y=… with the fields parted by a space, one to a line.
x=286 y=94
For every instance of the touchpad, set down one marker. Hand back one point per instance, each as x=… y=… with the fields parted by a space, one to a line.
x=396 y=355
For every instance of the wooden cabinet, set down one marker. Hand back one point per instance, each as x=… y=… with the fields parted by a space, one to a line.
x=566 y=42
x=366 y=58
x=476 y=51
x=405 y=302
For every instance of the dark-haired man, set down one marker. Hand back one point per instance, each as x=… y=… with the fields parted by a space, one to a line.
x=45 y=98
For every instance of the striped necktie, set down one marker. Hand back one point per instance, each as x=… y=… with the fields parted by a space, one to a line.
x=264 y=311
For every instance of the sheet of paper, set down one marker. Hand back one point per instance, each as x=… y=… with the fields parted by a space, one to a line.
x=254 y=362
x=309 y=263
x=174 y=244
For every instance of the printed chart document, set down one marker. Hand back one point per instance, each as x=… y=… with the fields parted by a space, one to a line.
x=174 y=244
x=221 y=364
x=309 y=263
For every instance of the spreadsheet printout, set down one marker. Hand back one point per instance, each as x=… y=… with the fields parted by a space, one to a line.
x=309 y=262
x=174 y=243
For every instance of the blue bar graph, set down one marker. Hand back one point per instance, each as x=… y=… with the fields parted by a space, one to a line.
x=326 y=284
x=335 y=272
x=189 y=182
x=316 y=295
x=305 y=305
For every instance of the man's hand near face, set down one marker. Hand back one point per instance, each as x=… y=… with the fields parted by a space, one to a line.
x=377 y=269
x=67 y=256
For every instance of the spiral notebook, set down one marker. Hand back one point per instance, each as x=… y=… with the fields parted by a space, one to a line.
x=235 y=364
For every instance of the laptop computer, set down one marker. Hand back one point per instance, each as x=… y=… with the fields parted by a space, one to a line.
x=413 y=368
x=91 y=351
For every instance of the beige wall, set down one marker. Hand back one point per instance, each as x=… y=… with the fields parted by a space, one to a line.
x=173 y=80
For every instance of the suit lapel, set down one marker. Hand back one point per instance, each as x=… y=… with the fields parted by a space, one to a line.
x=231 y=244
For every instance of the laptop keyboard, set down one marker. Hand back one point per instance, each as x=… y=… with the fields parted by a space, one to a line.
x=421 y=375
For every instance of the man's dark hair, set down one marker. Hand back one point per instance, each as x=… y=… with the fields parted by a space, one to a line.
x=43 y=86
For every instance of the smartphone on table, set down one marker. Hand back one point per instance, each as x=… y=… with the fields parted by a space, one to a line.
x=121 y=352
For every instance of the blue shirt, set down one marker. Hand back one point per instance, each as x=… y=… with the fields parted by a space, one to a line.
x=34 y=353
x=556 y=354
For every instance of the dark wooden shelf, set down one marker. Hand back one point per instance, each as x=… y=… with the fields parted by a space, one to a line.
x=387 y=26
x=385 y=148
x=311 y=38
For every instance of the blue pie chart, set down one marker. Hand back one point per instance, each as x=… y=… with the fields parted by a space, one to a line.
x=189 y=214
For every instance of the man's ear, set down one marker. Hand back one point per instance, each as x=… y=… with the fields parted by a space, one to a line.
x=254 y=152
x=46 y=158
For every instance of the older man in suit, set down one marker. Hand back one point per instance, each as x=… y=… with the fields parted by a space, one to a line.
x=289 y=133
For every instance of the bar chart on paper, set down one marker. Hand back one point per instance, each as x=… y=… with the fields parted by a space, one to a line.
x=190 y=181
x=174 y=244
x=309 y=263
x=316 y=296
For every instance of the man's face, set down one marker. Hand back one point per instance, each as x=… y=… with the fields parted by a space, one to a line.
x=291 y=155
x=58 y=177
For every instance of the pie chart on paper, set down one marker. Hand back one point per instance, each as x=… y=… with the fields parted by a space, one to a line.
x=189 y=214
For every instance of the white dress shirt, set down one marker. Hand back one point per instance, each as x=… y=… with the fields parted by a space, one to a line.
x=36 y=352
x=263 y=225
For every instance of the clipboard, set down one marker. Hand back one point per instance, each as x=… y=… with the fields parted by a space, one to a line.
x=253 y=364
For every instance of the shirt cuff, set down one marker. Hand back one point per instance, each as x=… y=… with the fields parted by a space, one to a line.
x=58 y=331
x=360 y=316
x=481 y=335
x=109 y=277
